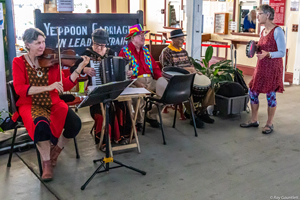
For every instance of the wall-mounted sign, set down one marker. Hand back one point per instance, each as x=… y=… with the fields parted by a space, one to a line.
x=265 y=2
x=232 y=25
x=279 y=7
x=222 y=7
x=65 y=5
x=294 y=5
x=1 y=17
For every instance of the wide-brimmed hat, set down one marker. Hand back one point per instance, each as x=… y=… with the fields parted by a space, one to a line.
x=100 y=36
x=176 y=33
x=135 y=30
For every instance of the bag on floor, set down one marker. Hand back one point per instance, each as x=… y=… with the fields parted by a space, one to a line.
x=231 y=89
x=8 y=124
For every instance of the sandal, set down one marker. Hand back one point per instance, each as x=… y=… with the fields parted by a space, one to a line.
x=269 y=130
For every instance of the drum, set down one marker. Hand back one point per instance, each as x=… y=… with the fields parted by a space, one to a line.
x=201 y=85
x=251 y=49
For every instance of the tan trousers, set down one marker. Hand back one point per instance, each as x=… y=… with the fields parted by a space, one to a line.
x=150 y=84
x=208 y=100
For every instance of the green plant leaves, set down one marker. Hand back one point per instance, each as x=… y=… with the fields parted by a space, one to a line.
x=218 y=73
x=208 y=54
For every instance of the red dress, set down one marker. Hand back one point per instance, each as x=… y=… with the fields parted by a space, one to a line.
x=46 y=104
x=268 y=73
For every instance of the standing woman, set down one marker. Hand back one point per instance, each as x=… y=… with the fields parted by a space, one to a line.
x=43 y=113
x=267 y=77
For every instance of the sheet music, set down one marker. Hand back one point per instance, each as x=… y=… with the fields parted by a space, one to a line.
x=129 y=91
x=96 y=80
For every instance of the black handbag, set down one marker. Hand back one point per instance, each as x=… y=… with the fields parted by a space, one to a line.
x=8 y=124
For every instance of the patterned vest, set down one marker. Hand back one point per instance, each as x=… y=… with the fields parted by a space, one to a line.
x=133 y=62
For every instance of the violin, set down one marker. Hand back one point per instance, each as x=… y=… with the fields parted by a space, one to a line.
x=50 y=58
x=68 y=58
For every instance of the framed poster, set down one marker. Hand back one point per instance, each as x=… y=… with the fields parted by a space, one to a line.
x=294 y=5
x=221 y=23
x=279 y=7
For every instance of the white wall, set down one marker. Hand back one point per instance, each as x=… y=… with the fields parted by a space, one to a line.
x=155 y=20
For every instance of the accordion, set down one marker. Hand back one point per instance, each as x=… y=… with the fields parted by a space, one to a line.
x=110 y=69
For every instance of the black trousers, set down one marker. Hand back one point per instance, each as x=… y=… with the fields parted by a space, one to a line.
x=71 y=128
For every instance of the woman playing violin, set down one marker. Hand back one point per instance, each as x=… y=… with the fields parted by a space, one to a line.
x=43 y=113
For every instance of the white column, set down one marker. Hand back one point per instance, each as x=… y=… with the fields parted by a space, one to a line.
x=194 y=28
x=3 y=94
x=296 y=77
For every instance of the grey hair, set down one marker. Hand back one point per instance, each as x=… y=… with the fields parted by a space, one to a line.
x=250 y=17
x=267 y=9
x=31 y=35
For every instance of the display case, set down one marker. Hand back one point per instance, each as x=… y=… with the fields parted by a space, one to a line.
x=221 y=23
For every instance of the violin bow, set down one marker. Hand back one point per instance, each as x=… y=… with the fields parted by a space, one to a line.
x=59 y=55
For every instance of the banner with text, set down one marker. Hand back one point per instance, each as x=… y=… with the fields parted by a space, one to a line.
x=75 y=29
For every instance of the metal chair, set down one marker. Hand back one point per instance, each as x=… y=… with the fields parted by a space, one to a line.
x=177 y=91
x=13 y=99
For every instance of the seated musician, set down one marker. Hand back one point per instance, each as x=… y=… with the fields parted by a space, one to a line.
x=43 y=113
x=144 y=68
x=100 y=39
x=175 y=56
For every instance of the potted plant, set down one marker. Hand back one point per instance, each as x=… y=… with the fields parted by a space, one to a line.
x=219 y=72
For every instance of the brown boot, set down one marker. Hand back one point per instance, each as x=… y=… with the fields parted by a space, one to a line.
x=55 y=151
x=47 y=171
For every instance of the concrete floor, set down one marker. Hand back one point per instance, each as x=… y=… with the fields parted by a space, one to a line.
x=224 y=162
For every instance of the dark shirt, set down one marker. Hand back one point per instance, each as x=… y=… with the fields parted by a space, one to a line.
x=248 y=24
x=109 y=52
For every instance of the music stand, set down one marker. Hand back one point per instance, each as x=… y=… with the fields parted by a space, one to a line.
x=105 y=94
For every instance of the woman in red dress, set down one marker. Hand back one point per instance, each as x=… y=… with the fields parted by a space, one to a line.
x=267 y=77
x=43 y=113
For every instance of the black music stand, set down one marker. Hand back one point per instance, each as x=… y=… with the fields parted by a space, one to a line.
x=105 y=94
